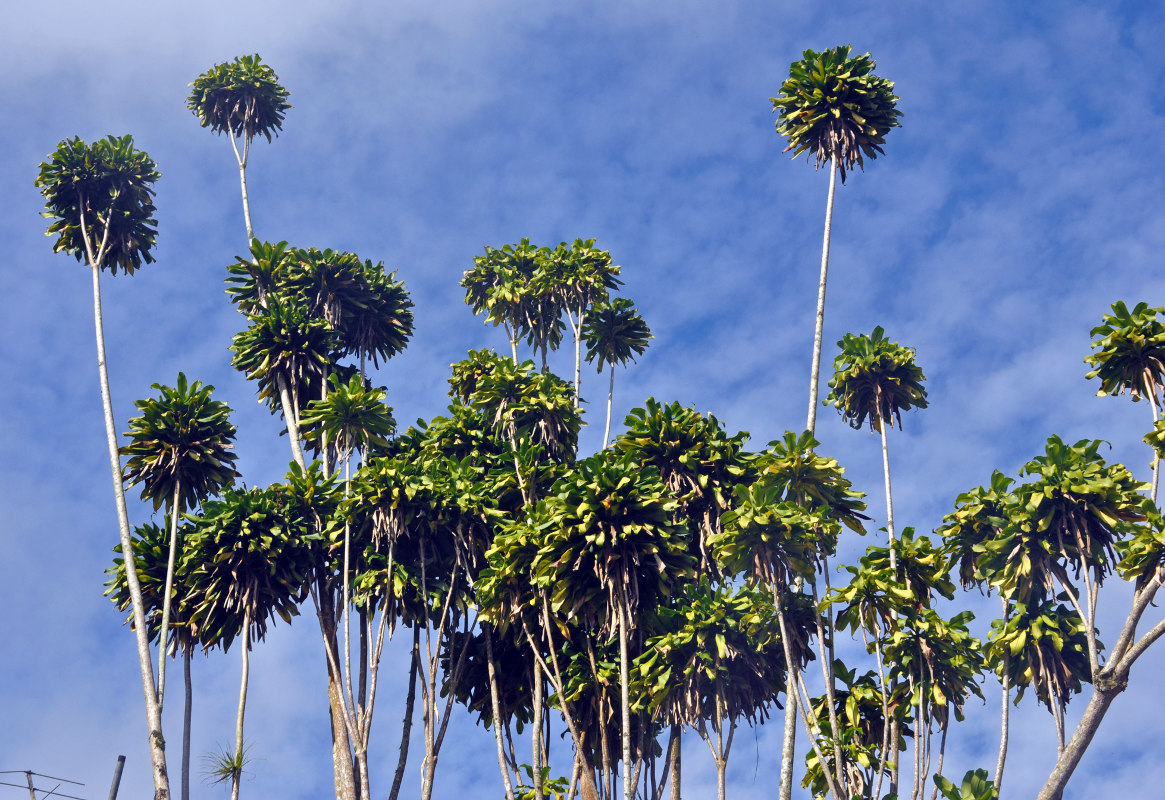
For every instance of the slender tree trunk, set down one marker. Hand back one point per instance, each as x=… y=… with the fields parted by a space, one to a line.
x=578 y=354
x=343 y=774
x=407 y=726
x=625 y=697
x=145 y=661
x=164 y=629
x=186 y=714
x=237 y=775
x=242 y=159
x=789 y=743
x=889 y=497
x=820 y=325
x=1005 y=716
x=536 y=735
x=496 y=709
x=610 y=395
x=1151 y=396
x=942 y=752
x=676 y=762
x=291 y=417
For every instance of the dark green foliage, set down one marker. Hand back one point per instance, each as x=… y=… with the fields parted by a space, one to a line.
x=101 y=200
x=833 y=106
x=875 y=380
x=615 y=333
x=183 y=437
x=1130 y=353
x=240 y=97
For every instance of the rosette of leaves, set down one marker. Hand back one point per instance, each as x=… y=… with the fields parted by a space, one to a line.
x=100 y=197
x=875 y=380
x=352 y=419
x=698 y=461
x=501 y=286
x=249 y=557
x=939 y=659
x=183 y=439
x=718 y=661
x=718 y=653
x=241 y=97
x=1130 y=352
x=800 y=475
x=861 y=729
x=609 y=539
x=284 y=347
x=520 y=405
x=1043 y=645
x=615 y=333
x=833 y=107
x=151 y=549
x=769 y=540
x=980 y=515
x=1070 y=516
x=1142 y=554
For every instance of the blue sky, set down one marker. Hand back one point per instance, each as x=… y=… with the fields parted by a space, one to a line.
x=1018 y=200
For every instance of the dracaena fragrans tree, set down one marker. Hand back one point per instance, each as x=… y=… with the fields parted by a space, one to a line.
x=1130 y=358
x=243 y=99
x=100 y=198
x=834 y=108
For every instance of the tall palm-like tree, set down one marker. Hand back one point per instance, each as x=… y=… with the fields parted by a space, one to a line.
x=243 y=99
x=610 y=549
x=717 y=661
x=152 y=554
x=793 y=469
x=180 y=453
x=835 y=109
x=100 y=197
x=581 y=276
x=615 y=334
x=283 y=348
x=250 y=556
x=775 y=542
x=874 y=381
x=1130 y=358
x=500 y=286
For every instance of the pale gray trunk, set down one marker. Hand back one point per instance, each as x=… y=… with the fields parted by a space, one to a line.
x=625 y=698
x=407 y=725
x=164 y=629
x=145 y=661
x=1004 y=717
x=788 y=746
x=610 y=395
x=291 y=417
x=186 y=715
x=1068 y=759
x=1152 y=398
x=536 y=736
x=889 y=496
x=242 y=159
x=237 y=777
x=496 y=709
x=578 y=355
x=820 y=324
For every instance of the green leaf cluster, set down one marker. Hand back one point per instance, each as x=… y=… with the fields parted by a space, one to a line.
x=241 y=97
x=100 y=197
x=875 y=380
x=1130 y=352
x=832 y=106
x=183 y=439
